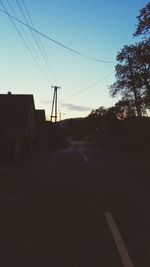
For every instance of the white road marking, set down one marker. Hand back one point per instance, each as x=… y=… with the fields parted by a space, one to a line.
x=85 y=158
x=125 y=258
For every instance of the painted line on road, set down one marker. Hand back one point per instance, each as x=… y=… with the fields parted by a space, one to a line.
x=85 y=158
x=125 y=258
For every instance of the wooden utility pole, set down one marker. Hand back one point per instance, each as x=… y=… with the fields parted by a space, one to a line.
x=54 y=103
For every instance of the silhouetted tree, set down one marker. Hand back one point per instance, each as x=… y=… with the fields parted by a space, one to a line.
x=133 y=75
x=97 y=113
x=143 y=56
x=133 y=68
x=126 y=109
x=94 y=119
x=128 y=77
x=143 y=26
x=143 y=29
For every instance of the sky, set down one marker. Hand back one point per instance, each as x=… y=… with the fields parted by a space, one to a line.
x=96 y=28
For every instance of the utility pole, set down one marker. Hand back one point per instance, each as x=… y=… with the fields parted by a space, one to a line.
x=54 y=103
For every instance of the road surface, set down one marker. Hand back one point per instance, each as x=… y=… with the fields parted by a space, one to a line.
x=79 y=206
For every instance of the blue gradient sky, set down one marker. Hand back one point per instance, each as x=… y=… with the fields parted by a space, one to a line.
x=95 y=27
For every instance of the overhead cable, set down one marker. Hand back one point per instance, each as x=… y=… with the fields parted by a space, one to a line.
x=32 y=24
x=34 y=52
x=87 y=88
x=25 y=43
x=56 y=42
x=36 y=38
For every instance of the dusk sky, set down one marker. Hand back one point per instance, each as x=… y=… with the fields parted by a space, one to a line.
x=96 y=28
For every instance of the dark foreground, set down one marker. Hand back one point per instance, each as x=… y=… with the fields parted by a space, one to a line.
x=81 y=206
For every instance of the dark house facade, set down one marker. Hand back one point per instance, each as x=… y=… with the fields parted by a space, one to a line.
x=44 y=129
x=40 y=121
x=17 y=124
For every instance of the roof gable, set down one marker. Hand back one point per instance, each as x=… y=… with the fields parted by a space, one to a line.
x=14 y=109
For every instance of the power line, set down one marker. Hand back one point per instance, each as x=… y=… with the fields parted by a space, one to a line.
x=25 y=43
x=34 y=52
x=90 y=86
x=35 y=37
x=32 y=24
x=56 y=42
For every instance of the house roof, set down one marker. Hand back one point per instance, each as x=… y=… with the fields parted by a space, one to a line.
x=14 y=109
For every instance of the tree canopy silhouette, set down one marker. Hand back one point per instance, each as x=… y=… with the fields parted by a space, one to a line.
x=133 y=68
x=143 y=26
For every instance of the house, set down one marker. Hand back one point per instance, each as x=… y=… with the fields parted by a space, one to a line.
x=17 y=124
x=44 y=129
x=40 y=121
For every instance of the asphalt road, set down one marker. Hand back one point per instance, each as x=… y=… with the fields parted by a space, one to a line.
x=79 y=206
